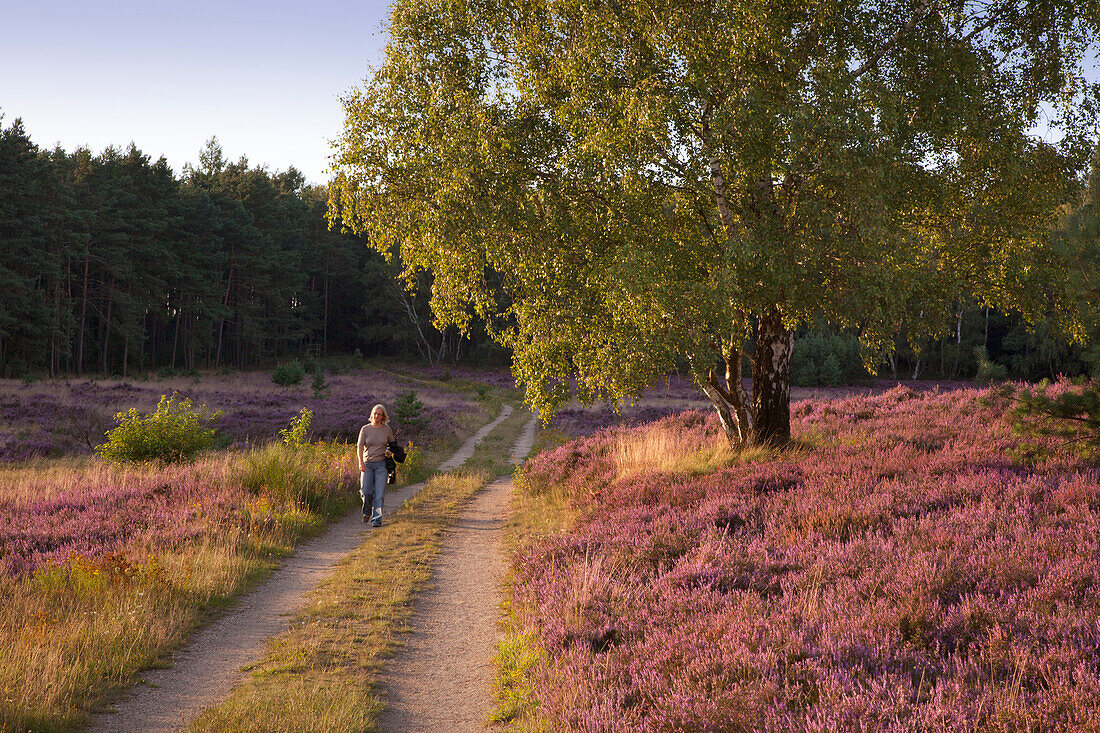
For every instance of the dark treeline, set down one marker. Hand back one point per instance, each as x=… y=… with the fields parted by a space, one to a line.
x=111 y=264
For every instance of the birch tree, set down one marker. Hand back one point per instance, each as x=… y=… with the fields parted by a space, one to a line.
x=665 y=183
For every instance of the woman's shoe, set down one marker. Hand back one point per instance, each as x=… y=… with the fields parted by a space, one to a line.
x=376 y=517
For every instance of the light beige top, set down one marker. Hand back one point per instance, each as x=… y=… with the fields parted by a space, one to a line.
x=375 y=440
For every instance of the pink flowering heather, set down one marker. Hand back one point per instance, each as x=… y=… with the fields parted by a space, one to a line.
x=908 y=571
x=118 y=510
x=63 y=417
x=672 y=394
x=135 y=512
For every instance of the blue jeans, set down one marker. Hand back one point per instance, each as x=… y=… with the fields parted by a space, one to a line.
x=376 y=472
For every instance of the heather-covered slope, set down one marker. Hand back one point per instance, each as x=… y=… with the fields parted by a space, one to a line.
x=51 y=418
x=901 y=571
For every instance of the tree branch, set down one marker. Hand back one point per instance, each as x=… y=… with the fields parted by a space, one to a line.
x=873 y=60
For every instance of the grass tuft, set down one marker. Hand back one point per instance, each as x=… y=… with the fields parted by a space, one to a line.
x=663 y=448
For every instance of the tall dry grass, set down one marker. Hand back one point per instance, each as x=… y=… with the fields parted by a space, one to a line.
x=43 y=478
x=664 y=448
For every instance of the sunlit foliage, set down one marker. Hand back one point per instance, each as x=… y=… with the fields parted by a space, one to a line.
x=619 y=189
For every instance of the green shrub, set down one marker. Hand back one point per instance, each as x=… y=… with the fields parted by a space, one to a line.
x=803 y=367
x=288 y=373
x=831 y=375
x=174 y=432
x=826 y=359
x=297 y=433
x=319 y=385
x=409 y=411
x=413 y=468
x=988 y=371
x=1072 y=415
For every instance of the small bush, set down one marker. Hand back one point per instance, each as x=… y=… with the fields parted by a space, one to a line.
x=319 y=385
x=174 y=432
x=409 y=411
x=1072 y=415
x=831 y=375
x=988 y=371
x=413 y=467
x=297 y=433
x=289 y=373
x=306 y=477
x=826 y=359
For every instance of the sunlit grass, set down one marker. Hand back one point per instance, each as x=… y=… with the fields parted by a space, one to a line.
x=516 y=655
x=43 y=478
x=660 y=448
x=71 y=634
x=534 y=515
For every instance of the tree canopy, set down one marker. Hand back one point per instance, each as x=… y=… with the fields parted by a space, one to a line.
x=621 y=188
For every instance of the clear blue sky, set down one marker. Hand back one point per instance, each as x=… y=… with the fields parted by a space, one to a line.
x=264 y=77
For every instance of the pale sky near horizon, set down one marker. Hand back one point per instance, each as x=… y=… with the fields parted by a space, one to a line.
x=265 y=78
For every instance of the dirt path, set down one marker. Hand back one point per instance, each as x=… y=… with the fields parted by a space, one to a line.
x=442 y=680
x=208 y=667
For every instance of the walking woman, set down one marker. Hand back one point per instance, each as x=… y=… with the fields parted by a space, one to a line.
x=374 y=438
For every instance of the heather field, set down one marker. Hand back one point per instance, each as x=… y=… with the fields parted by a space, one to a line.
x=675 y=393
x=113 y=565
x=909 y=566
x=104 y=567
x=68 y=417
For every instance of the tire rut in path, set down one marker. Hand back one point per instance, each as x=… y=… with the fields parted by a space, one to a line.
x=207 y=668
x=442 y=679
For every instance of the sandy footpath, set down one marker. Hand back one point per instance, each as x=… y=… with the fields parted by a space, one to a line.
x=441 y=680
x=209 y=666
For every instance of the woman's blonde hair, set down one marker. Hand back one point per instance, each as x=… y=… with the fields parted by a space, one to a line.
x=385 y=415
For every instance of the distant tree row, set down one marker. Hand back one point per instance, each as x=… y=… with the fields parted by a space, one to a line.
x=109 y=263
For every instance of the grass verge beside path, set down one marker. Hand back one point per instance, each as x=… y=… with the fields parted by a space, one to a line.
x=74 y=632
x=533 y=516
x=421 y=464
x=323 y=673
